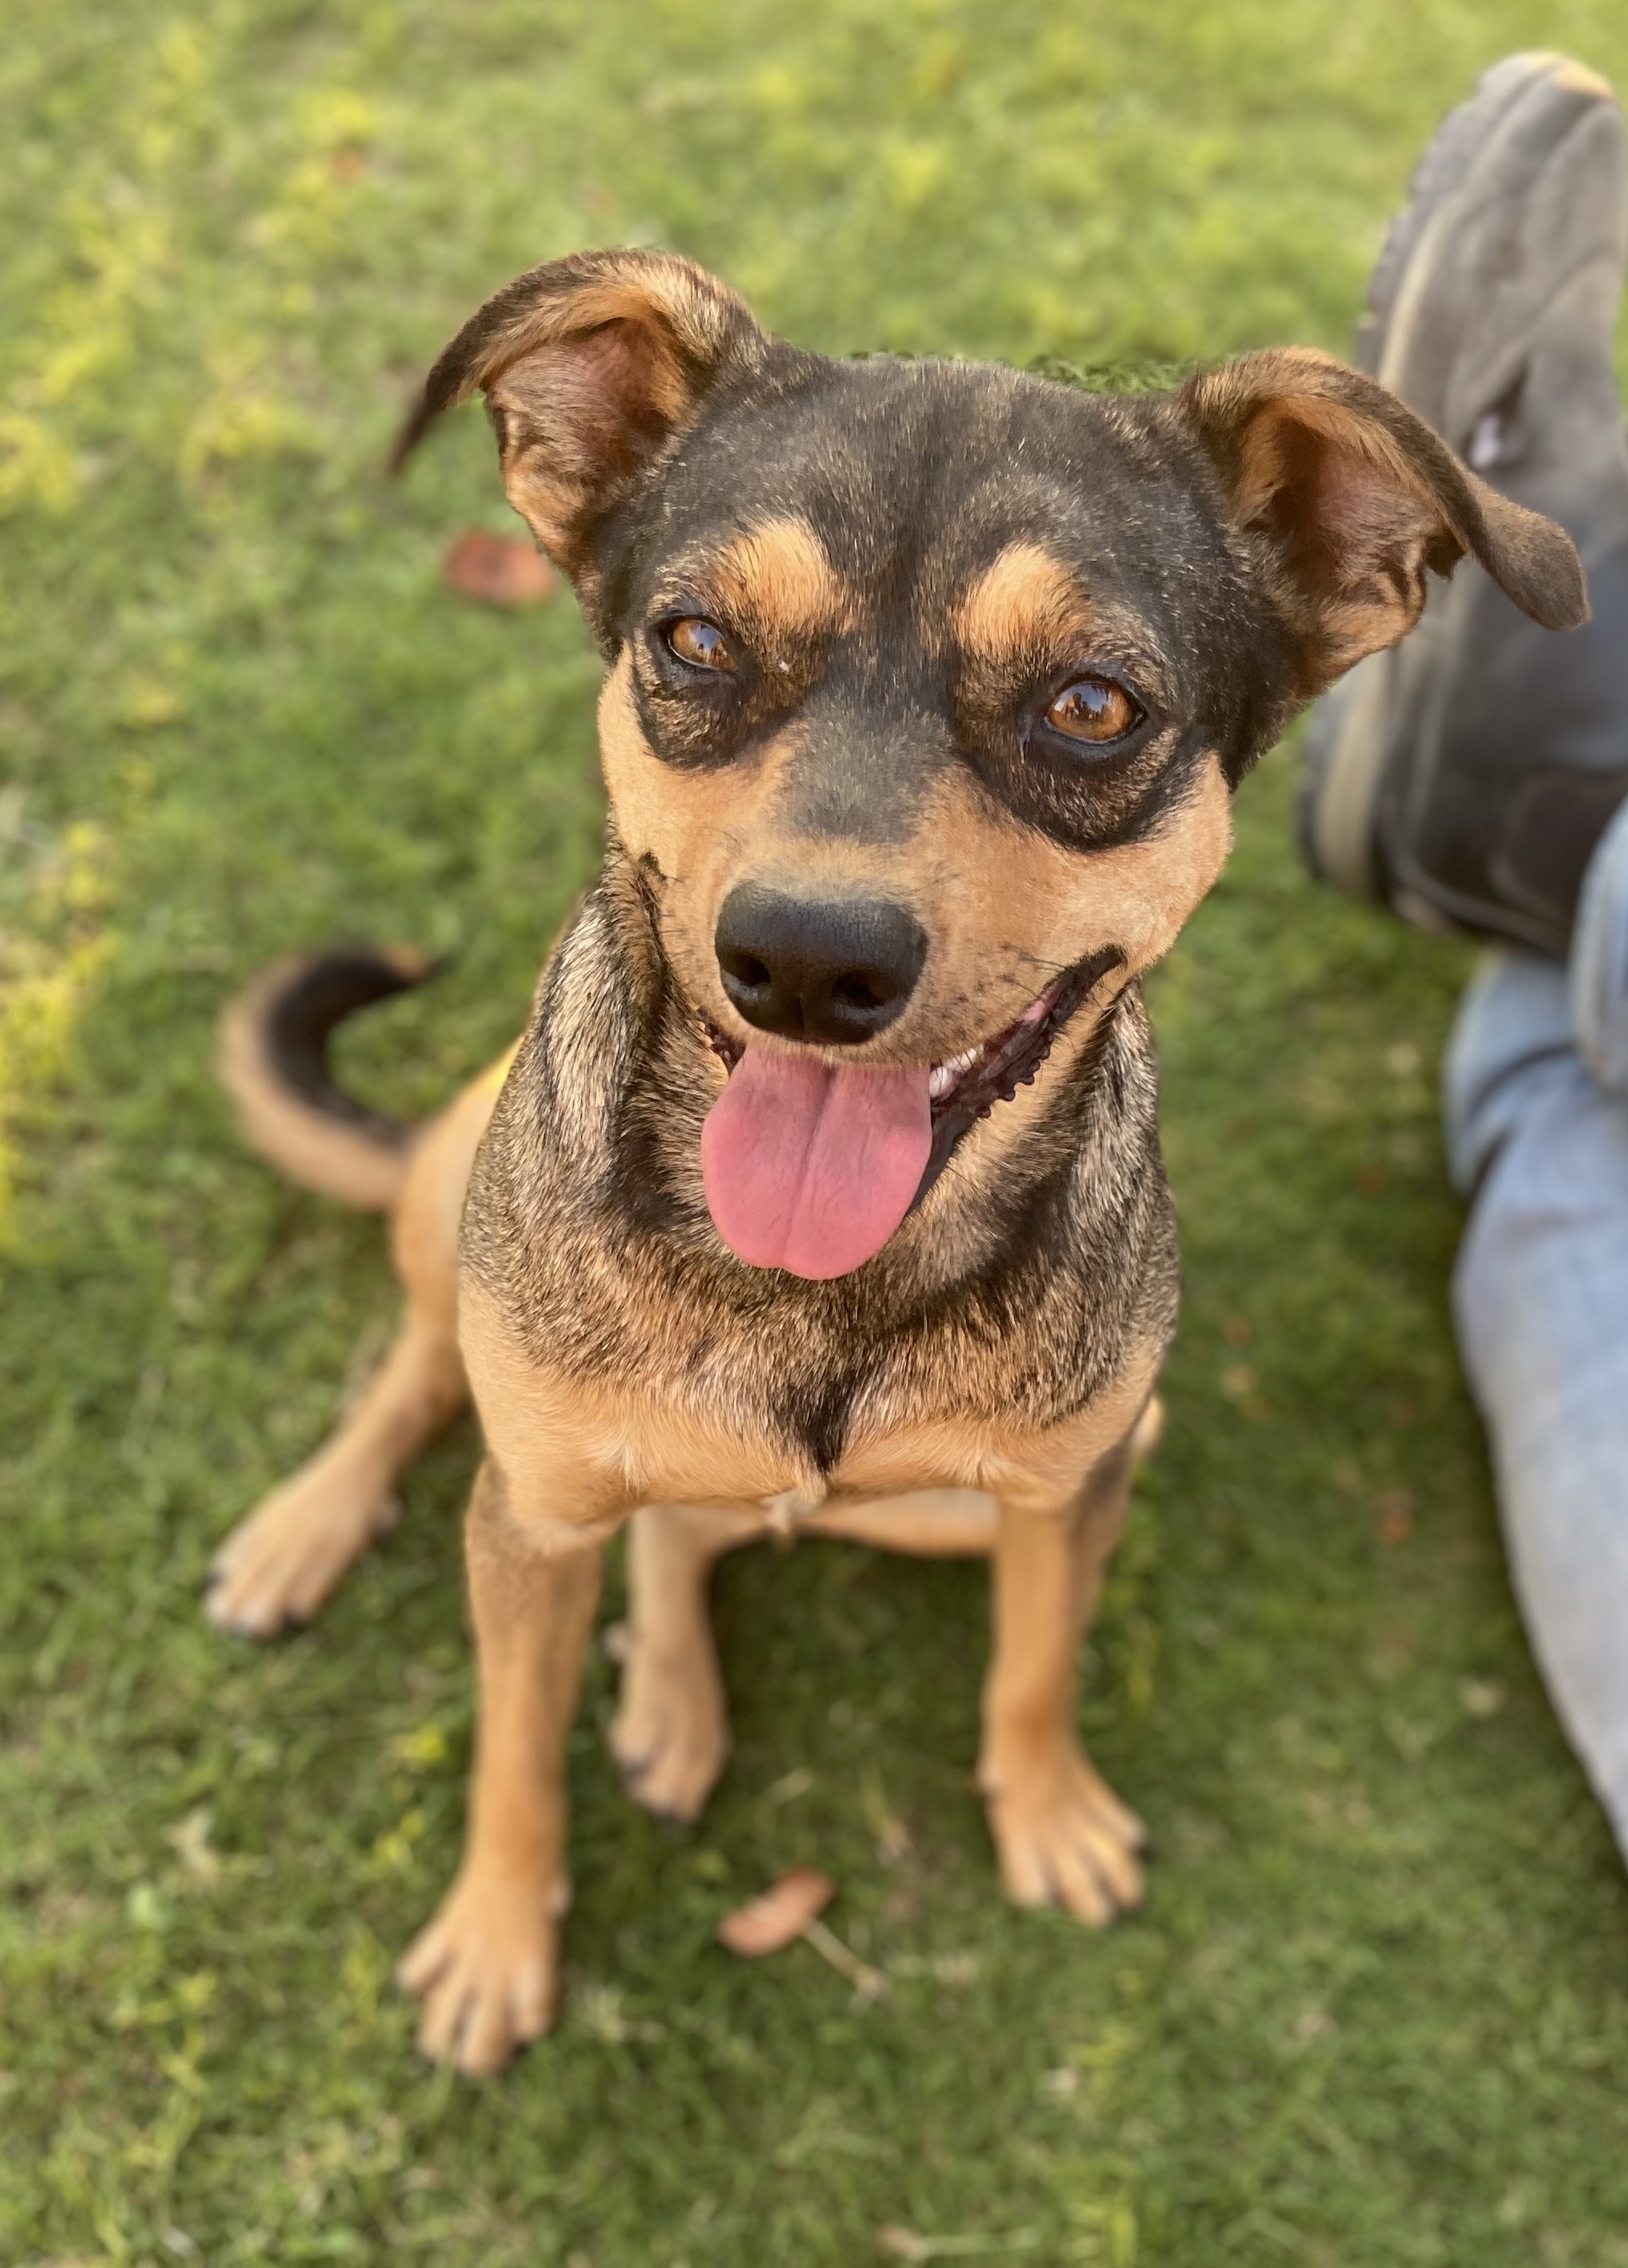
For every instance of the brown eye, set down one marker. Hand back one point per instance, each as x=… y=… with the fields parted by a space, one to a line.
x=1094 y=709
x=701 y=643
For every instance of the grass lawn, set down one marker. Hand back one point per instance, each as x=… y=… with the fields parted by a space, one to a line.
x=1375 y=2011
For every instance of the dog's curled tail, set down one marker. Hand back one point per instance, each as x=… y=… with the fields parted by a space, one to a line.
x=273 y=1063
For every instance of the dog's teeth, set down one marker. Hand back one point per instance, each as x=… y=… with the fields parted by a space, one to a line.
x=943 y=1076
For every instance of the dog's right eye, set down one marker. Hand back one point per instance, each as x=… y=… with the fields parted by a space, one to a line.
x=701 y=643
x=1095 y=709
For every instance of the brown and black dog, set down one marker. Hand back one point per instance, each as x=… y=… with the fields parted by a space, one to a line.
x=823 y=1190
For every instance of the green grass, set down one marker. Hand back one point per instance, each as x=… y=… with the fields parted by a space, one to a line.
x=1377 y=2010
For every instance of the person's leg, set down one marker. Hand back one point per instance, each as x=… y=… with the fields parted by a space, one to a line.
x=1469 y=778
x=1536 y=1109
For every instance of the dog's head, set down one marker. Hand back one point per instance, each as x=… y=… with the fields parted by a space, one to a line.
x=929 y=682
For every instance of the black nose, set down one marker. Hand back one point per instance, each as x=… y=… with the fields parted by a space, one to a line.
x=836 y=972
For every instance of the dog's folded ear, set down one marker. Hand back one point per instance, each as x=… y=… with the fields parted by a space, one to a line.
x=1348 y=498
x=589 y=366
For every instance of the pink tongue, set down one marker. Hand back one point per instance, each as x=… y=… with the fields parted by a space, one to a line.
x=811 y=1168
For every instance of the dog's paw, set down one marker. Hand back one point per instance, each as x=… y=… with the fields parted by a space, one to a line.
x=670 y=1735
x=1063 y=1837
x=279 y=1565
x=486 y=1971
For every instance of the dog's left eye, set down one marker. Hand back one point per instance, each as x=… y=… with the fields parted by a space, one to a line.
x=701 y=643
x=1095 y=709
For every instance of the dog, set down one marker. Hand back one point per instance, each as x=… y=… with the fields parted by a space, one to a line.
x=823 y=1192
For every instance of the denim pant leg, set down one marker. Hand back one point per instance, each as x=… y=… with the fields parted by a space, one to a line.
x=1537 y=1110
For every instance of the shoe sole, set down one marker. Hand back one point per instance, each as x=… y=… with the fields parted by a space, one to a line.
x=1345 y=774
x=1453 y=150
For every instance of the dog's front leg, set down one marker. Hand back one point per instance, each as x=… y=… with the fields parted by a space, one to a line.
x=486 y=1966
x=671 y=1732
x=1062 y=1836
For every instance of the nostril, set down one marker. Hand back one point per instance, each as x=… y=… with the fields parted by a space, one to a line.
x=746 y=969
x=863 y=994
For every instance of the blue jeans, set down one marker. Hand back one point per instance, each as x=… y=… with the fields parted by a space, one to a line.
x=1537 y=1110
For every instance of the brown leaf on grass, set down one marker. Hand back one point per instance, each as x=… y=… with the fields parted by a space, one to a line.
x=505 y=570
x=783 y=1912
x=1394 y=1507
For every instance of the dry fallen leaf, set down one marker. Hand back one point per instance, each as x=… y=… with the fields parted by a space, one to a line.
x=783 y=1912
x=1394 y=1507
x=505 y=570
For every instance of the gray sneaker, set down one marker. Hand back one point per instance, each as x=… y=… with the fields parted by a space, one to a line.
x=1465 y=775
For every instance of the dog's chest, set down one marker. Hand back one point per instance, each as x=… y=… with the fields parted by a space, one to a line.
x=800 y=1446
x=794 y=1402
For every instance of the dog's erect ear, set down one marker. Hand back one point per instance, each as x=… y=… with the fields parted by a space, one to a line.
x=1353 y=497
x=590 y=365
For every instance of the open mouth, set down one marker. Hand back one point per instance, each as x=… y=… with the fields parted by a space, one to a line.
x=811 y=1165
x=969 y=1085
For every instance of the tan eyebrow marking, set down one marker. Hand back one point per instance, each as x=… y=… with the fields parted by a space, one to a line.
x=1023 y=601
x=777 y=580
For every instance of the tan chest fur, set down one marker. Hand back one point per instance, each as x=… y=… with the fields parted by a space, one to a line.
x=591 y=1451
